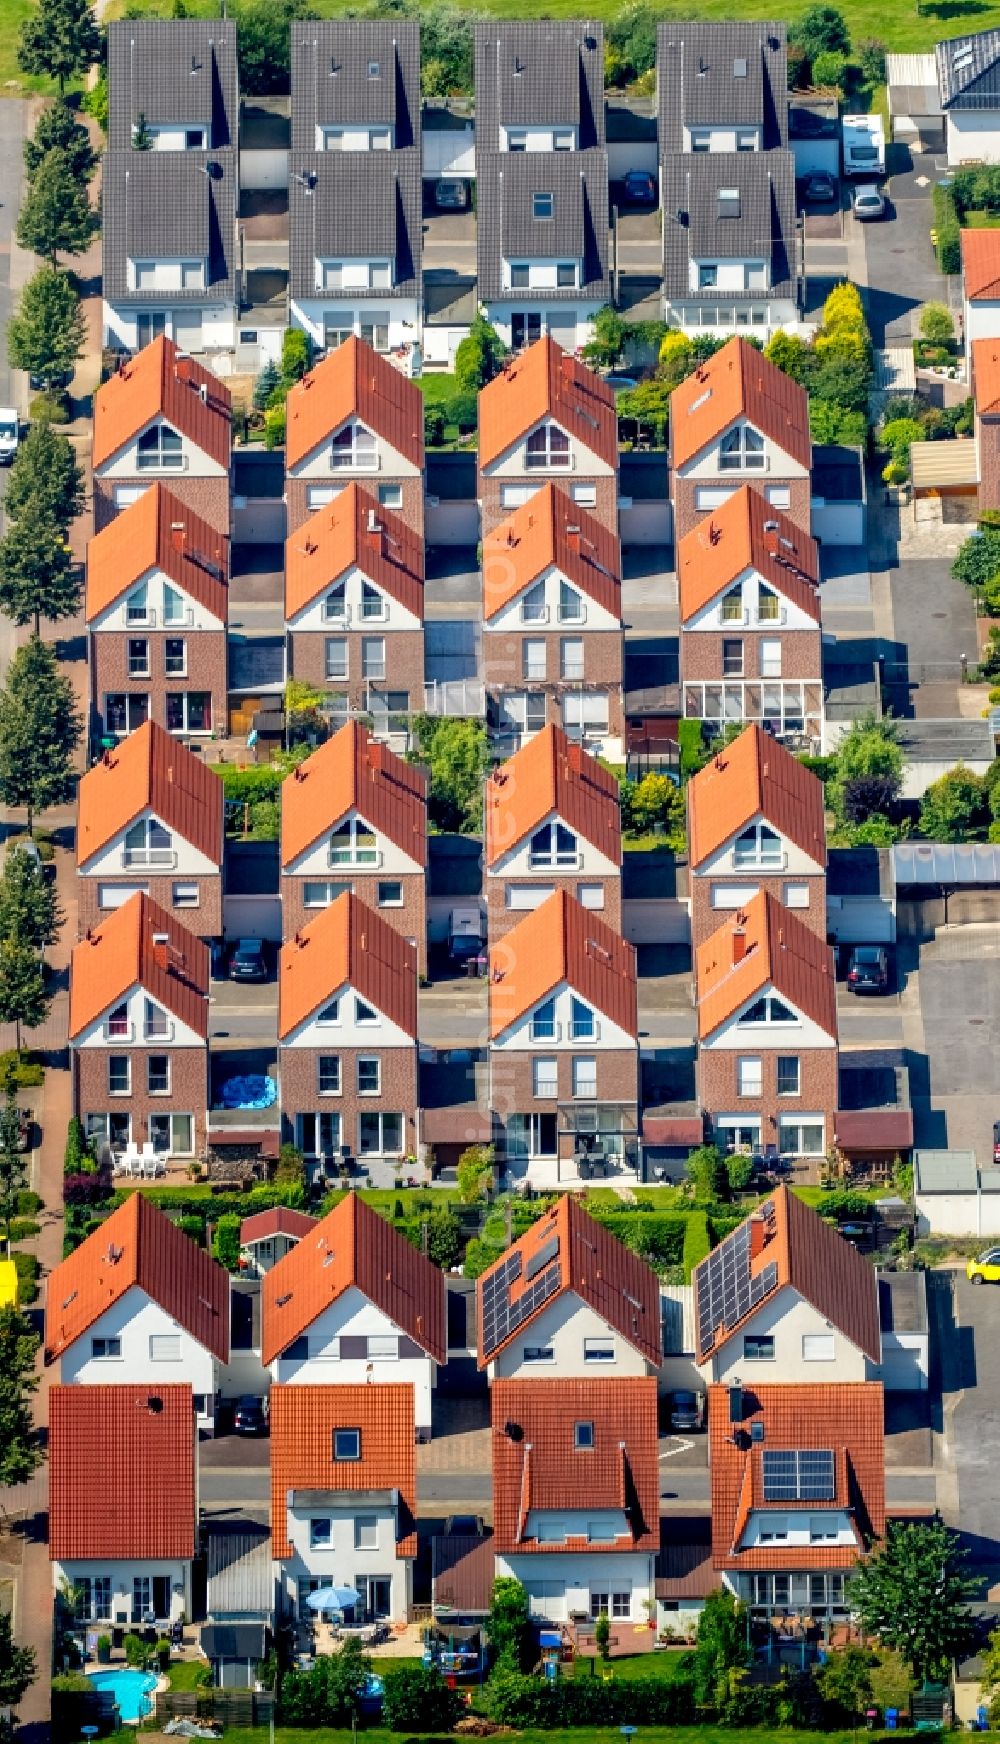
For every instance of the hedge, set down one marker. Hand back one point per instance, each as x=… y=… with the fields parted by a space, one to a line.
x=226 y=1241
x=657 y=1236
x=202 y=1202
x=697 y=1242
x=28 y=1073
x=27 y=1268
x=692 y=746
x=948 y=229
x=514 y=1700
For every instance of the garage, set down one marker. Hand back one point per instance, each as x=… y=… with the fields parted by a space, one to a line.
x=838 y=495
x=251 y=904
x=953 y=1196
x=860 y=902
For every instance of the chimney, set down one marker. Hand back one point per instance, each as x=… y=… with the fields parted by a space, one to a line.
x=182 y=369
x=739 y=946
x=758 y=1237
x=178 y=534
x=160 y=951
x=376 y=756
x=574 y=758
x=573 y=532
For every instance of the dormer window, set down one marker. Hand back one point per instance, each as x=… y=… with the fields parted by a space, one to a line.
x=354 y=138
x=742 y=450
x=354 y=275
x=554 y=845
x=168 y=275
x=352 y=843
x=159 y=449
x=354 y=447
x=547 y=446
x=543 y=205
x=562 y=140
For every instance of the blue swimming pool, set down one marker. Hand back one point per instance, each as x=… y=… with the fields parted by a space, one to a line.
x=131 y=1690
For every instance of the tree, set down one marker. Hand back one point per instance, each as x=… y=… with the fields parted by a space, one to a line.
x=475 y=1170
x=830 y=70
x=296 y=355
x=329 y=1694
x=630 y=43
x=446 y=51
x=990 y=1655
x=707 y=1173
x=18 y=1667
x=55 y=214
x=791 y=355
x=823 y=30
x=57 y=129
x=142 y=138
x=47 y=335
x=38 y=577
x=978 y=559
x=723 y=1645
x=264 y=32
x=268 y=380
x=845 y=1683
x=417 y=1699
x=59 y=39
x=480 y=356
x=865 y=796
x=870 y=53
x=956 y=808
x=444 y=1237
x=508 y=1624
x=911 y=1593
x=869 y=748
x=40 y=728
x=20 y=1453
x=29 y=909
x=45 y=483
x=843 y=308
x=23 y=996
x=607 y=346
x=457 y=754
x=13 y=1160
x=936 y=324
x=739 y=1168
x=675 y=359
x=602 y=1636
x=647 y=403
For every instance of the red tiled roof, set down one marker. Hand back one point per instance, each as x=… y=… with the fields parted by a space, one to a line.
x=545 y=382
x=303 y=1419
x=981 y=264
x=348 y=944
x=592 y=1264
x=759 y=946
x=354 y=772
x=354 y=381
x=122 y=1473
x=537 y=1465
x=354 y=531
x=158 y=381
x=747 y=533
x=552 y=773
x=673 y=1129
x=354 y=1248
x=264 y=1225
x=986 y=373
x=158 y=531
x=845 y=1418
x=124 y=953
x=739 y=382
x=684 y=1563
x=137 y=1246
x=755 y=775
x=562 y=941
x=150 y=771
x=549 y=531
x=871 y=1129
x=462 y=1573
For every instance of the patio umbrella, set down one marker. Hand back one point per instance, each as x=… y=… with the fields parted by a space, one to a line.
x=333 y=1599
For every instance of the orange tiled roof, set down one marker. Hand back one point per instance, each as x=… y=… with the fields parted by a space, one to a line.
x=981 y=264
x=545 y=382
x=354 y=532
x=986 y=370
x=747 y=533
x=739 y=382
x=755 y=775
x=150 y=771
x=355 y=382
x=303 y=1420
x=591 y=1263
x=844 y=1418
x=354 y=772
x=353 y=1247
x=348 y=944
x=552 y=773
x=158 y=531
x=121 y=1473
x=549 y=532
x=281 y=1220
x=123 y=953
x=562 y=941
x=764 y=945
x=138 y=1246
x=159 y=382
x=537 y=1465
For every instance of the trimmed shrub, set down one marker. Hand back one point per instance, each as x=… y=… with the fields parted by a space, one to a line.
x=28 y=1203
x=947 y=229
x=691 y=741
x=77 y=1151
x=23 y=1229
x=417 y=1699
x=655 y=1235
x=88 y=1187
x=226 y=1242
x=29 y=1074
x=513 y=1700
x=27 y=1268
x=697 y=1242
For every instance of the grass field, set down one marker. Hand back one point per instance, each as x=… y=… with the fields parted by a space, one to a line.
x=637 y=1667
x=187 y=1674
x=577 y=1735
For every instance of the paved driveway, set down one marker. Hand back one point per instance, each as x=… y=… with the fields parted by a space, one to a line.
x=965 y=1347
x=902 y=271
x=959 y=988
x=934 y=620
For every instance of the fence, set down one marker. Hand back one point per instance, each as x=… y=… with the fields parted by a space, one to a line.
x=231 y=1707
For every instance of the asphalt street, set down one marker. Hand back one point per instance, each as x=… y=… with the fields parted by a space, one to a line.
x=966 y=1337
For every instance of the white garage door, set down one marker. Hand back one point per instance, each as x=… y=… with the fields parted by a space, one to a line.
x=252 y=917
x=855 y=920
x=665 y=922
x=838 y=523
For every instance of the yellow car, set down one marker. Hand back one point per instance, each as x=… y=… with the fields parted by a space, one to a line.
x=985 y=1269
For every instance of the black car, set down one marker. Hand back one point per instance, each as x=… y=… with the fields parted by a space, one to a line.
x=686 y=1411
x=247 y=961
x=820 y=188
x=640 y=187
x=868 y=970
x=250 y=1416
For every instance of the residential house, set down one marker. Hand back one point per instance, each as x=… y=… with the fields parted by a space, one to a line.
x=354 y=818
x=344 y=1497
x=986 y=394
x=347 y=1034
x=576 y=1501
x=980 y=288
x=552 y=623
x=162 y=415
x=738 y=419
x=563 y=1046
x=157 y=603
x=170 y=185
x=354 y=1303
x=150 y=823
x=784 y=1295
x=267 y=1236
x=566 y=1301
x=751 y=642
x=721 y=88
x=552 y=822
x=354 y=607
x=355 y=183
x=541 y=179
x=123 y=1502
x=547 y=416
x=138 y=1029
x=767 y=1032
x=968 y=78
x=755 y=822
x=798 y=1492
x=355 y=418
x=139 y=1303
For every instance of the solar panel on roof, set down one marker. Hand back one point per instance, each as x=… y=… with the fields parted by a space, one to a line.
x=726 y=1290
x=540 y=1260
x=501 y=1316
x=798 y=1475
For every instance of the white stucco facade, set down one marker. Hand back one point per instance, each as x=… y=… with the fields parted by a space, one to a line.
x=398 y=319
x=607 y=1036
x=136 y=1342
x=345 y=1538
x=567 y=1328
x=807 y=1348
x=324 y=1360
x=561 y=1584
x=388 y=859
x=122 y=1593
x=350 y=614
x=194 y=327
x=142 y=608
x=115 y=859
x=194 y=462
x=972 y=136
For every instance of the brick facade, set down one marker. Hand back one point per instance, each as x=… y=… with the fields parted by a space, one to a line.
x=503 y=662
x=299 y=1080
x=205 y=920
x=701 y=652
x=706 y=920
x=818 y=1069
x=404 y=662
x=206 y=671
x=188 y=1088
x=605 y=509
x=208 y=497
x=410 y=919
x=296 y=493
x=988 y=444
x=512 y=1089
x=500 y=919
x=685 y=491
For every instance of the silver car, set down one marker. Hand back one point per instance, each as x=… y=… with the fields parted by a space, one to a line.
x=869 y=203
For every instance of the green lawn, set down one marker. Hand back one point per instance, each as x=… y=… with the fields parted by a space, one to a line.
x=636 y=1667
x=974 y=220
x=187 y=1674
x=576 y=1735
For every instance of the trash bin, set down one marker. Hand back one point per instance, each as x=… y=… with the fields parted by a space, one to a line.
x=891 y=1719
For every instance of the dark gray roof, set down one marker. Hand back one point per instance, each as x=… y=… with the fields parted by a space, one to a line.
x=578 y=230
x=361 y=204
x=968 y=71
x=721 y=75
x=698 y=225
x=455 y=863
x=162 y=205
x=333 y=82
x=902 y=1301
x=858 y=872
x=809 y=121
x=837 y=473
x=172 y=70
x=542 y=73
x=234 y=1641
x=240 y=1579
x=251 y=869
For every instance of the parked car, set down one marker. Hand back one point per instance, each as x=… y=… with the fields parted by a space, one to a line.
x=639 y=186
x=868 y=970
x=247 y=961
x=985 y=1269
x=451 y=195
x=869 y=203
x=686 y=1410
x=820 y=187
x=25 y=1129
x=996 y=1141
x=10 y=434
x=250 y=1415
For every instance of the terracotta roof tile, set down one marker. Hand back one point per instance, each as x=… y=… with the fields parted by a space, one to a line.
x=121 y=1473
x=684 y=1563
x=150 y=771
x=981 y=265
x=551 y=773
x=755 y=776
x=353 y=1247
x=158 y=531
x=263 y=1225
x=355 y=382
x=347 y=945
x=462 y=1572
x=303 y=1419
x=739 y=382
x=747 y=533
x=562 y=941
x=764 y=945
x=158 y=381
x=844 y=1418
x=138 y=1246
x=123 y=953
x=588 y=1261
x=354 y=532
x=549 y=531
x=354 y=772
x=537 y=1465
x=986 y=370
x=545 y=382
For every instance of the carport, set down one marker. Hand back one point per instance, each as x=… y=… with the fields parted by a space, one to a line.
x=945 y=479
x=945 y=884
x=838 y=495
x=953 y=1196
x=915 y=114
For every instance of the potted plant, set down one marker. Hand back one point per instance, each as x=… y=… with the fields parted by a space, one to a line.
x=104 y=1649
x=163 y=1653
